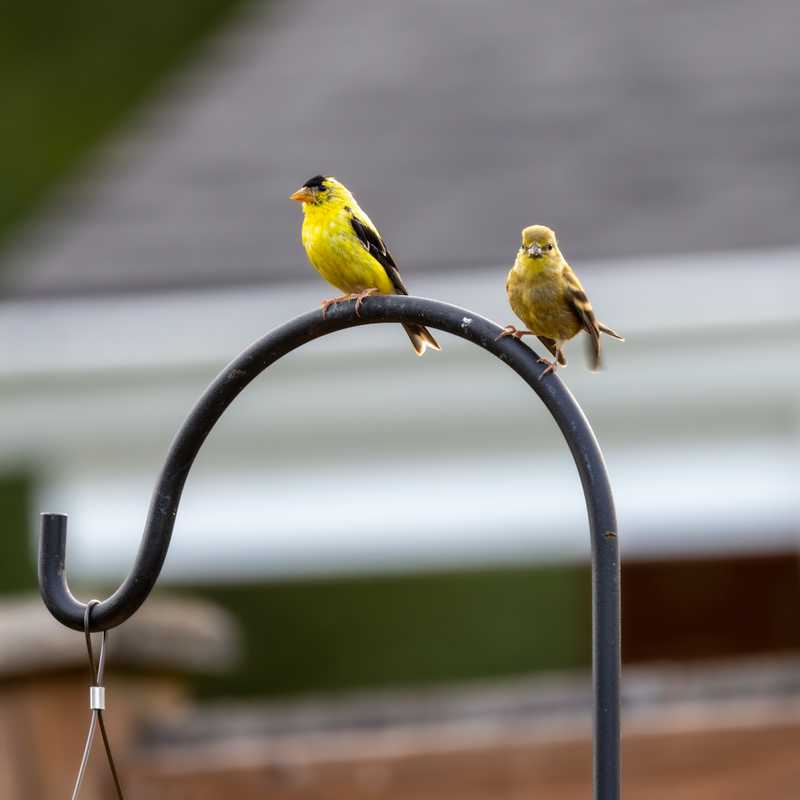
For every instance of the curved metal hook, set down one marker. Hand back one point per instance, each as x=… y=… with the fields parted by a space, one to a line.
x=295 y=333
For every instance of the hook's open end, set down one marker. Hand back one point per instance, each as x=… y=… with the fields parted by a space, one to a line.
x=52 y=575
x=54 y=535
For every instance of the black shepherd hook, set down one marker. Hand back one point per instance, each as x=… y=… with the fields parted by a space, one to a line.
x=266 y=351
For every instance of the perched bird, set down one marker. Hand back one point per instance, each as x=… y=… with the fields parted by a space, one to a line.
x=547 y=296
x=345 y=248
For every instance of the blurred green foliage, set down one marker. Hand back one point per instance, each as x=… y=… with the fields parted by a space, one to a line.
x=70 y=72
x=330 y=634
x=17 y=569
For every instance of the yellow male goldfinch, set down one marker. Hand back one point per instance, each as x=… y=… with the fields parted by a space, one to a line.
x=345 y=248
x=547 y=296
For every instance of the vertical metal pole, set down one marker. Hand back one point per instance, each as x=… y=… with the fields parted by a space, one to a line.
x=606 y=666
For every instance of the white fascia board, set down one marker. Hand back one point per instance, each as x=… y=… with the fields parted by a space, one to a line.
x=400 y=513
x=181 y=329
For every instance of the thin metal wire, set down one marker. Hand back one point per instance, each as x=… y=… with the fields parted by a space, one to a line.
x=85 y=760
x=96 y=679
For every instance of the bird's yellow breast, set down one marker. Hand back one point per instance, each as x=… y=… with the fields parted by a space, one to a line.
x=538 y=295
x=336 y=253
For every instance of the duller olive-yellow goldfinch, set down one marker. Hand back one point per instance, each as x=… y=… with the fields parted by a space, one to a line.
x=547 y=296
x=345 y=248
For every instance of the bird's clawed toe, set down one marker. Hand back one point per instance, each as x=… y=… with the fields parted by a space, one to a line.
x=552 y=366
x=510 y=330
x=360 y=297
x=326 y=304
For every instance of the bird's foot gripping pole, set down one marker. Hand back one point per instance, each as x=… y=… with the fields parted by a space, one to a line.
x=511 y=331
x=359 y=297
x=550 y=366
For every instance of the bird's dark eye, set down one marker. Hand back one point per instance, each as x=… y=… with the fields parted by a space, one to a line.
x=547 y=247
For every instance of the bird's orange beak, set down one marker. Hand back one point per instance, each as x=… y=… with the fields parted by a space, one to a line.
x=302 y=195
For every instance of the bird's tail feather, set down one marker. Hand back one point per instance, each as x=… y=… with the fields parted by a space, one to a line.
x=593 y=351
x=593 y=346
x=421 y=338
x=605 y=329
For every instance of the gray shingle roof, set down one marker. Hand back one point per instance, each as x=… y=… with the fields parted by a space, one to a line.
x=631 y=127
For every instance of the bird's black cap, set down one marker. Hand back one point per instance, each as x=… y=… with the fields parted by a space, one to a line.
x=315 y=182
